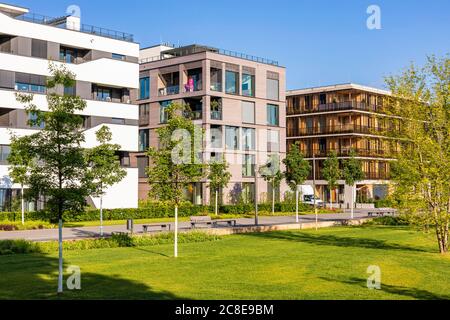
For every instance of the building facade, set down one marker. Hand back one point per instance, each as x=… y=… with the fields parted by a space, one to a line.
x=106 y=66
x=238 y=100
x=341 y=118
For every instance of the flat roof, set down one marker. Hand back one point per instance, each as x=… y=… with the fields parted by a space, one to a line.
x=12 y=9
x=337 y=87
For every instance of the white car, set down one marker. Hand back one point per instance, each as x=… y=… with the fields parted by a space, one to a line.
x=309 y=199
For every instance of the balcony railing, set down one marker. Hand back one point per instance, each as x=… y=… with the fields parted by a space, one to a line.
x=367 y=176
x=337 y=129
x=169 y=91
x=337 y=106
x=345 y=152
x=216 y=86
x=216 y=115
x=193 y=115
x=197 y=87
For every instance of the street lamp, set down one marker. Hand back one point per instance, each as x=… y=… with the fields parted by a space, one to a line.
x=314 y=190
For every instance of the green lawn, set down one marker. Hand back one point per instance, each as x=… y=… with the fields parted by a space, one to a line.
x=325 y=264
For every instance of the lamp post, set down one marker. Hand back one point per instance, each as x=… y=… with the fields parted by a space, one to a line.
x=314 y=190
x=297 y=220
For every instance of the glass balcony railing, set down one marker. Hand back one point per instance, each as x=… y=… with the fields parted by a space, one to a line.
x=216 y=115
x=338 y=129
x=345 y=152
x=336 y=106
x=216 y=86
x=169 y=91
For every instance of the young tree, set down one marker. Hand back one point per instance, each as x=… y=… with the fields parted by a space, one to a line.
x=331 y=172
x=420 y=102
x=272 y=174
x=104 y=167
x=352 y=173
x=297 y=171
x=58 y=168
x=218 y=177
x=20 y=159
x=176 y=164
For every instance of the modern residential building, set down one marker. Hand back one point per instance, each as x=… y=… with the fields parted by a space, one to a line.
x=239 y=100
x=340 y=118
x=105 y=63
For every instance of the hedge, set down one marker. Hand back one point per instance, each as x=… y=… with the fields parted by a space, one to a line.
x=154 y=210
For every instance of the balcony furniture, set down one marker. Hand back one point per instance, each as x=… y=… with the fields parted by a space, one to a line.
x=159 y=227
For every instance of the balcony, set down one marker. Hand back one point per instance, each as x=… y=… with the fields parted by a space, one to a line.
x=345 y=152
x=169 y=91
x=337 y=106
x=193 y=87
x=216 y=109
x=338 y=129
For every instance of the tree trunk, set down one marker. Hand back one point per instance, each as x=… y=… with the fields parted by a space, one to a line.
x=176 y=233
x=331 y=200
x=352 y=209
x=23 y=206
x=217 y=200
x=60 y=247
x=101 y=216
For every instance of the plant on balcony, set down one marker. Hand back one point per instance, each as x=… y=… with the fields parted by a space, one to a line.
x=352 y=173
x=219 y=177
x=175 y=165
x=104 y=167
x=420 y=100
x=57 y=170
x=297 y=171
x=331 y=173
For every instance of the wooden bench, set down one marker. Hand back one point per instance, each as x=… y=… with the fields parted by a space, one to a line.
x=229 y=223
x=159 y=227
x=203 y=220
x=381 y=212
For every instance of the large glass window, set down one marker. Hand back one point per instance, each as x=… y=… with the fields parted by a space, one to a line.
x=248 y=135
x=273 y=89
x=232 y=82
x=144 y=140
x=142 y=163
x=248 y=192
x=144 y=114
x=30 y=87
x=273 y=115
x=4 y=153
x=216 y=79
x=248 y=112
x=216 y=136
x=144 y=88
x=163 y=113
x=248 y=165
x=232 y=138
x=248 y=85
x=273 y=141
x=33 y=118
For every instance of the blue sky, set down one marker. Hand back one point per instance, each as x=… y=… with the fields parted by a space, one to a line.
x=319 y=41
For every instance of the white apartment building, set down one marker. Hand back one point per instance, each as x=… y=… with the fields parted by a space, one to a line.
x=106 y=65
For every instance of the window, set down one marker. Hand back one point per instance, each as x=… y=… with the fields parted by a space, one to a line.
x=30 y=82
x=39 y=48
x=4 y=153
x=117 y=56
x=273 y=141
x=163 y=114
x=248 y=112
x=323 y=99
x=248 y=85
x=273 y=115
x=70 y=91
x=30 y=87
x=248 y=135
x=68 y=55
x=216 y=79
x=33 y=121
x=144 y=114
x=273 y=89
x=144 y=88
x=232 y=82
x=232 y=138
x=144 y=140
x=216 y=137
x=118 y=121
x=248 y=192
x=248 y=165
x=142 y=163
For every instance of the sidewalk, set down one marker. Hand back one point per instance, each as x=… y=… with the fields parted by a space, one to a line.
x=92 y=232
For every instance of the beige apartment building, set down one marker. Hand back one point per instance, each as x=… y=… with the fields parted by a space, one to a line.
x=341 y=118
x=240 y=102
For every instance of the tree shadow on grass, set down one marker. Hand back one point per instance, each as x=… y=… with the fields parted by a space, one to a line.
x=396 y=290
x=336 y=241
x=34 y=276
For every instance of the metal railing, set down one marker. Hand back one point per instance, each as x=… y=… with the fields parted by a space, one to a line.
x=338 y=129
x=337 y=106
x=169 y=91
x=345 y=152
x=85 y=28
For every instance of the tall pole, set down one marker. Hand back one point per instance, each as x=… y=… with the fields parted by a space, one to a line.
x=296 y=205
x=256 y=179
x=314 y=190
x=23 y=206
x=101 y=215
x=176 y=232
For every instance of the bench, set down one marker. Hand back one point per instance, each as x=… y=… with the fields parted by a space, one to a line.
x=229 y=223
x=203 y=220
x=159 y=227
x=381 y=212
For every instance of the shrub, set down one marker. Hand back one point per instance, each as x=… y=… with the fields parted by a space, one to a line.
x=18 y=247
x=389 y=221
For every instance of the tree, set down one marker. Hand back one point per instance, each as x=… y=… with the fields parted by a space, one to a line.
x=175 y=164
x=104 y=167
x=331 y=172
x=420 y=106
x=218 y=177
x=297 y=171
x=352 y=173
x=20 y=159
x=272 y=174
x=57 y=170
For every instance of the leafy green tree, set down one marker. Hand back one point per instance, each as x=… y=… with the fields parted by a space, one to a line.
x=104 y=167
x=352 y=173
x=57 y=170
x=420 y=102
x=331 y=172
x=176 y=164
x=218 y=177
x=297 y=171
x=272 y=174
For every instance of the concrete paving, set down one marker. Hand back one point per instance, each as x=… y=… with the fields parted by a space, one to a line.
x=93 y=232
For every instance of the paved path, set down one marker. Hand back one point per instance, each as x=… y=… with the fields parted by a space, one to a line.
x=92 y=232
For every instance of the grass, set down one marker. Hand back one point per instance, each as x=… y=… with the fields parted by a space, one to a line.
x=325 y=264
